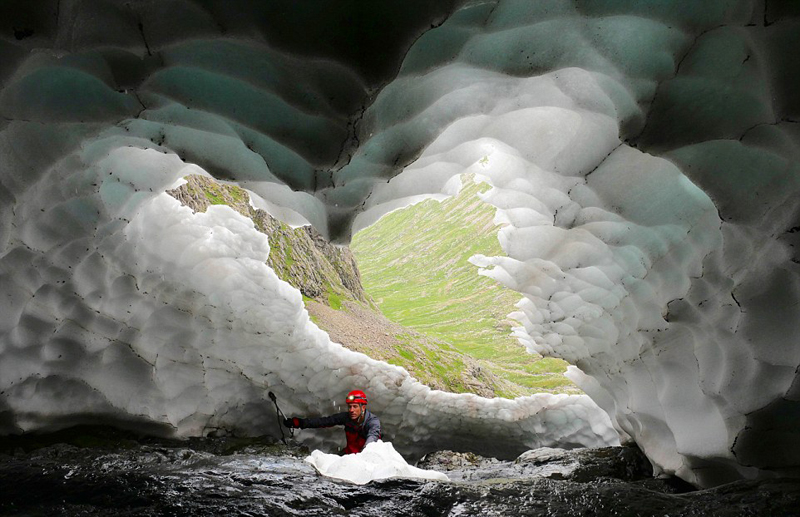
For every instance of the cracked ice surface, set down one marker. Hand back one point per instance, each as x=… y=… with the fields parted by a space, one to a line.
x=643 y=157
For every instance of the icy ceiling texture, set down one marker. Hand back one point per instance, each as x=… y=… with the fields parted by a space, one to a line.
x=644 y=156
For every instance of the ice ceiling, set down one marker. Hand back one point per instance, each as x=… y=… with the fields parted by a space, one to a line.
x=645 y=157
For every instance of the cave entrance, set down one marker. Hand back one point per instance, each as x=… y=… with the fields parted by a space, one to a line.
x=405 y=292
x=427 y=308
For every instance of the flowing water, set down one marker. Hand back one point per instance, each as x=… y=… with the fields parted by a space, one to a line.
x=108 y=473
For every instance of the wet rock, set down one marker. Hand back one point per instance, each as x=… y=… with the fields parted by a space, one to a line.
x=450 y=460
x=577 y=465
x=584 y=465
x=229 y=476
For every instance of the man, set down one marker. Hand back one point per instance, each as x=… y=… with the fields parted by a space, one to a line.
x=360 y=426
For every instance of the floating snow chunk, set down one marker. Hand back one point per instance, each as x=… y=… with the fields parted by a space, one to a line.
x=377 y=461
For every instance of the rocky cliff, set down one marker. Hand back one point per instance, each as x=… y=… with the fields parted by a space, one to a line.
x=320 y=270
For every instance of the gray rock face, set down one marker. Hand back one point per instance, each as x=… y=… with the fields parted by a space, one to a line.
x=240 y=476
x=576 y=465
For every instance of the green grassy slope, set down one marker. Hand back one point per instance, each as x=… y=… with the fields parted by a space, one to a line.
x=413 y=263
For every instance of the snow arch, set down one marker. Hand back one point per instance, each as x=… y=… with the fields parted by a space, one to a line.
x=644 y=155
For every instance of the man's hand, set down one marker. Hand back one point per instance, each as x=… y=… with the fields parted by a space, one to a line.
x=292 y=423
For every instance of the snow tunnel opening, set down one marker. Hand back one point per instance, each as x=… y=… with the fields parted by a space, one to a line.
x=457 y=348
x=471 y=365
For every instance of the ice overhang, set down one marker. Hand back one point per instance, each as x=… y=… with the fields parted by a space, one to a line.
x=645 y=157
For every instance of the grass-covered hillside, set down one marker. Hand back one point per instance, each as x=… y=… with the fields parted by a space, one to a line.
x=414 y=264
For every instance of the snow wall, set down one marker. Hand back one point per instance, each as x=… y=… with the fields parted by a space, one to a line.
x=644 y=156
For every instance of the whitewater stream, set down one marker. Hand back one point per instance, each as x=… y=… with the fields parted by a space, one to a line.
x=114 y=474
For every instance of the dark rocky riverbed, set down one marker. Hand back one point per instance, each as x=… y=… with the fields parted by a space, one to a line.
x=102 y=472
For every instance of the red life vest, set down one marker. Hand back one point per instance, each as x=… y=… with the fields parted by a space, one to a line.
x=355 y=442
x=358 y=432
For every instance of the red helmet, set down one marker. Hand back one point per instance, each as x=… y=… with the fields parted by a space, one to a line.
x=356 y=397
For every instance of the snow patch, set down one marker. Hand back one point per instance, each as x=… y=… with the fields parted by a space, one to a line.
x=377 y=461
